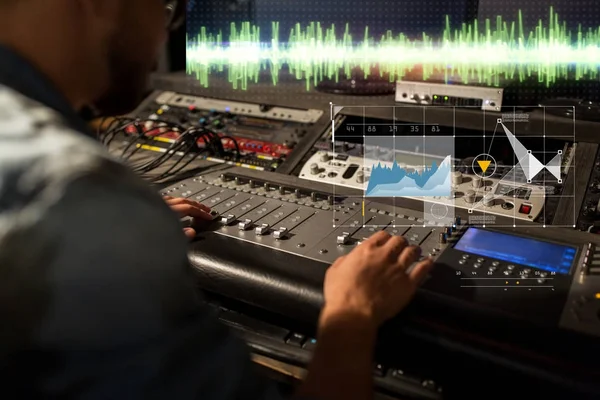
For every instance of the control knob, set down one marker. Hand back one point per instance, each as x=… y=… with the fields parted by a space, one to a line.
x=470 y=196
x=314 y=168
x=360 y=176
x=229 y=219
x=344 y=238
x=313 y=197
x=280 y=233
x=457 y=178
x=477 y=182
x=245 y=224
x=489 y=201
x=448 y=232
x=261 y=230
x=281 y=190
x=324 y=157
x=442 y=238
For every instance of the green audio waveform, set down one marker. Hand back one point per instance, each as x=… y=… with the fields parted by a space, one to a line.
x=483 y=53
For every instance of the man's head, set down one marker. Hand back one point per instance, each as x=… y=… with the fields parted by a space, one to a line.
x=98 y=52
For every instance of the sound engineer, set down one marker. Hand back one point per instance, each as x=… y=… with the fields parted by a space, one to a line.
x=97 y=299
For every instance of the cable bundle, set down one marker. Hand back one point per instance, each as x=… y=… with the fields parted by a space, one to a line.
x=185 y=146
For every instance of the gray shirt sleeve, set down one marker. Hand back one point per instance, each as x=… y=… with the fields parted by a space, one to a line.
x=113 y=311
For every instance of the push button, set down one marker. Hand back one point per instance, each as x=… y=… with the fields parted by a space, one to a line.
x=525 y=209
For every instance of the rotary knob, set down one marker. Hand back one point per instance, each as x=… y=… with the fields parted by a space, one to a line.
x=442 y=239
x=457 y=178
x=360 y=177
x=489 y=201
x=324 y=157
x=314 y=168
x=470 y=196
x=477 y=182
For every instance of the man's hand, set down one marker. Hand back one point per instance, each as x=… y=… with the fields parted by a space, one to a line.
x=372 y=281
x=362 y=290
x=188 y=208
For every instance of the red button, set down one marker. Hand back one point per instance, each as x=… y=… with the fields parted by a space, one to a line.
x=525 y=209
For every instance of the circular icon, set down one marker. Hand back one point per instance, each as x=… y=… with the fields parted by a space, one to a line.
x=484 y=165
x=438 y=211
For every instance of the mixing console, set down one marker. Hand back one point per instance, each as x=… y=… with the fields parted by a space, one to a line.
x=535 y=274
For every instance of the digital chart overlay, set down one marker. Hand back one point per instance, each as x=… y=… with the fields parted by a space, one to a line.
x=515 y=187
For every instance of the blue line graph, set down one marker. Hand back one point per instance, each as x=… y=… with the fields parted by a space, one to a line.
x=396 y=181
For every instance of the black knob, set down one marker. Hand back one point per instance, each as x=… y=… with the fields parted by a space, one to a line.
x=264 y=107
x=313 y=196
x=251 y=184
x=225 y=178
x=281 y=190
x=297 y=193
x=330 y=200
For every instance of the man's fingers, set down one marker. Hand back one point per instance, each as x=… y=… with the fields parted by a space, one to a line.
x=394 y=246
x=420 y=271
x=409 y=255
x=173 y=201
x=378 y=239
x=191 y=210
x=190 y=233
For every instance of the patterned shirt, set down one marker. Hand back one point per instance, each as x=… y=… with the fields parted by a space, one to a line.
x=97 y=299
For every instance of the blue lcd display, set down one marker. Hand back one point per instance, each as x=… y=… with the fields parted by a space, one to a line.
x=546 y=256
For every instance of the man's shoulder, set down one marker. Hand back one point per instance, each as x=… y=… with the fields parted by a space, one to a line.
x=30 y=130
x=37 y=147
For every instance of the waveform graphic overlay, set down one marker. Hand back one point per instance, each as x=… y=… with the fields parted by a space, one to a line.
x=477 y=53
x=396 y=181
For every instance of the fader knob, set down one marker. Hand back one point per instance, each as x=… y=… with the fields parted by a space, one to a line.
x=324 y=157
x=251 y=184
x=281 y=190
x=313 y=196
x=314 y=168
x=457 y=178
x=477 y=182
x=470 y=196
x=360 y=177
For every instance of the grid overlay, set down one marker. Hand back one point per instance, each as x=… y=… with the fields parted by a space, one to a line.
x=424 y=124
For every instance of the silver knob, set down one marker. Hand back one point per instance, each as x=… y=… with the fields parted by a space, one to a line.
x=442 y=238
x=360 y=177
x=245 y=224
x=314 y=168
x=489 y=201
x=324 y=157
x=343 y=238
x=470 y=196
x=457 y=178
x=477 y=182
x=261 y=230
x=229 y=219
x=281 y=233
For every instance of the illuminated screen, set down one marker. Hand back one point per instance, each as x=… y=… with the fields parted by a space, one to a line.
x=546 y=256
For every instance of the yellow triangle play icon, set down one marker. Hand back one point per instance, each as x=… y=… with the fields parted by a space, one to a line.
x=483 y=164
